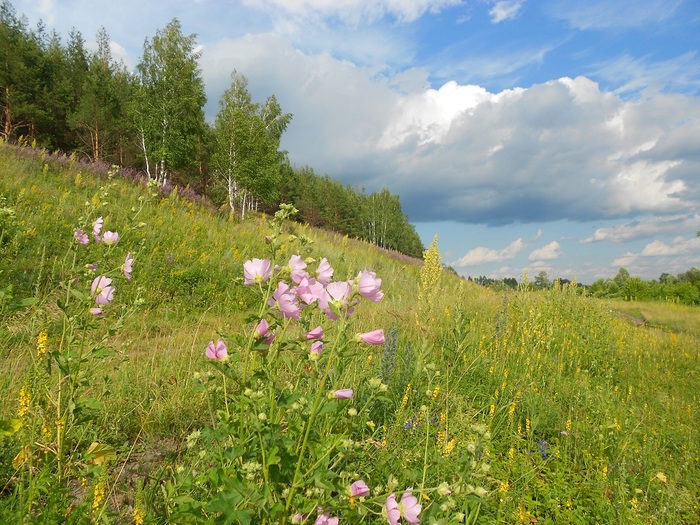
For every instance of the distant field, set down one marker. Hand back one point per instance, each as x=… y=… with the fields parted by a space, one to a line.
x=669 y=316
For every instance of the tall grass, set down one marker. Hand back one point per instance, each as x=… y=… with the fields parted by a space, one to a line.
x=542 y=407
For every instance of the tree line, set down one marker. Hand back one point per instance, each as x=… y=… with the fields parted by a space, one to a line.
x=683 y=288
x=64 y=97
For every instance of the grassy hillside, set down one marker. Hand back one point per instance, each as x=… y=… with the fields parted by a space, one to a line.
x=530 y=407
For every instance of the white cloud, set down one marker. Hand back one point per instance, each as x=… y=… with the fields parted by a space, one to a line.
x=355 y=11
x=505 y=10
x=483 y=255
x=546 y=253
x=679 y=245
x=604 y=14
x=646 y=227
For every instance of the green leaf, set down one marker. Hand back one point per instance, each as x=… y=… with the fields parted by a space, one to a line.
x=100 y=454
x=9 y=427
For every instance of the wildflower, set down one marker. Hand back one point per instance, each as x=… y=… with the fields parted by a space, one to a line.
x=336 y=296
x=217 y=351
x=97 y=228
x=444 y=489
x=110 y=238
x=343 y=393
x=408 y=509
x=324 y=272
x=262 y=329
x=41 y=343
x=359 y=488
x=25 y=397
x=285 y=301
x=257 y=271
x=309 y=290
x=375 y=337
x=297 y=268
x=326 y=519
x=98 y=495
x=96 y=311
x=316 y=349
x=81 y=236
x=101 y=290
x=127 y=265
x=316 y=333
x=368 y=285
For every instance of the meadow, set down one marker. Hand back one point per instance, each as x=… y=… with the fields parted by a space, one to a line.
x=160 y=396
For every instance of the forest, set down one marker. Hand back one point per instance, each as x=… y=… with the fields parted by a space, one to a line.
x=63 y=97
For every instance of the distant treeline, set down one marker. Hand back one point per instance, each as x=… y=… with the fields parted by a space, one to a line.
x=67 y=98
x=683 y=288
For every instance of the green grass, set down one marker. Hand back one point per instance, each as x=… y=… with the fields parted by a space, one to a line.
x=556 y=405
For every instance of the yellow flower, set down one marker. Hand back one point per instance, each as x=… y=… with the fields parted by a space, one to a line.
x=41 y=343
x=98 y=495
x=25 y=398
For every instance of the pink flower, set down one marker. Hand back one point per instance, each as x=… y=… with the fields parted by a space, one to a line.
x=408 y=509
x=101 y=290
x=285 y=301
x=316 y=333
x=391 y=510
x=359 y=488
x=309 y=290
x=316 y=349
x=324 y=272
x=335 y=295
x=96 y=311
x=127 y=265
x=296 y=267
x=368 y=285
x=217 y=351
x=257 y=271
x=262 y=329
x=110 y=238
x=326 y=519
x=81 y=236
x=97 y=228
x=375 y=337
x=343 y=393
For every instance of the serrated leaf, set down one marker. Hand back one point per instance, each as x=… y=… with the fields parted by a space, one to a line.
x=99 y=453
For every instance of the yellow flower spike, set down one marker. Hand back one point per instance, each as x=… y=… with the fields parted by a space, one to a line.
x=42 y=343
x=25 y=398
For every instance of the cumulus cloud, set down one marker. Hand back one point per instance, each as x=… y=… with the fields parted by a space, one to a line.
x=563 y=149
x=483 y=255
x=505 y=10
x=676 y=256
x=679 y=245
x=546 y=253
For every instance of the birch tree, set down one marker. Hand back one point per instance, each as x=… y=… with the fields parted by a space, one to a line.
x=169 y=113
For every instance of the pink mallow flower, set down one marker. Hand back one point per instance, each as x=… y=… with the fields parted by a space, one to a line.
x=343 y=393
x=262 y=329
x=336 y=295
x=316 y=333
x=359 y=488
x=285 y=301
x=217 y=351
x=407 y=509
x=97 y=228
x=326 y=519
x=127 y=265
x=368 y=285
x=101 y=290
x=96 y=311
x=324 y=272
x=375 y=337
x=110 y=238
x=309 y=290
x=257 y=271
x=81 y=237
x=316 y=350
x=297 y=268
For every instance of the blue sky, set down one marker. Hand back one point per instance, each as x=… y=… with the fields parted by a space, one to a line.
x=552 y=135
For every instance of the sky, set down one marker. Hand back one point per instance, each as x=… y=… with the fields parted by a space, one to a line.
x=528 y=135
